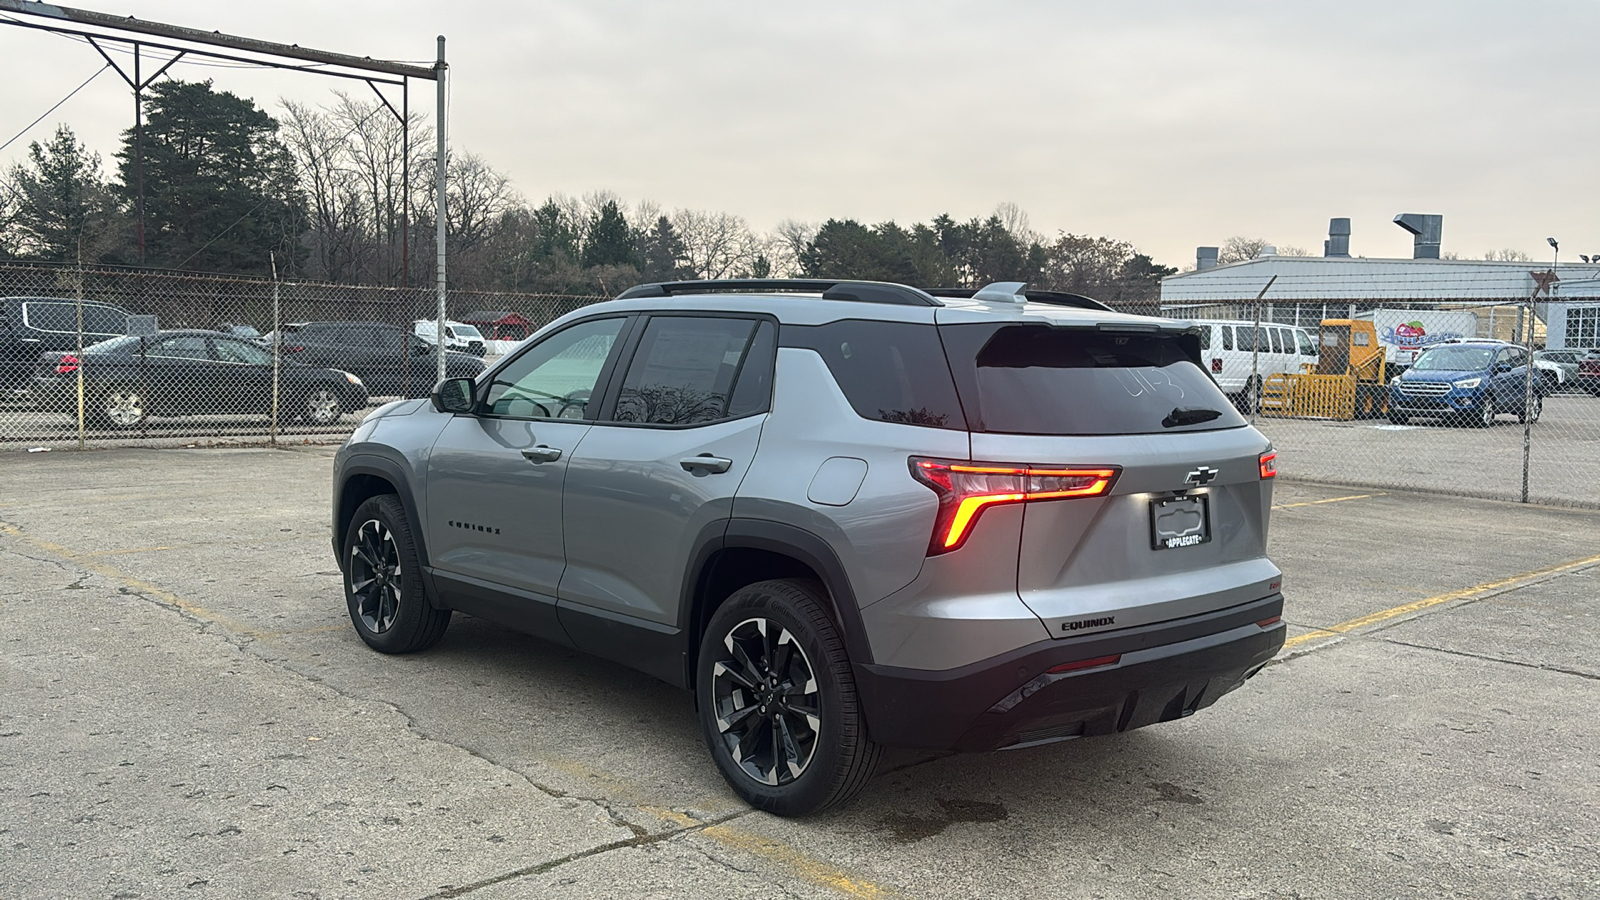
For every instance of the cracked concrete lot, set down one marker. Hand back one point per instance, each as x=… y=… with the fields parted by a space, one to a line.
x=185 y=711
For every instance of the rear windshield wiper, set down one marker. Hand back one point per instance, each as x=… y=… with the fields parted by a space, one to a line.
x=1189 y=416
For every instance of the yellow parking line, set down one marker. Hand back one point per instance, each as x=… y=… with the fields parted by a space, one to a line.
x=804 y=866
x=1463 y=594
x=1331 y=500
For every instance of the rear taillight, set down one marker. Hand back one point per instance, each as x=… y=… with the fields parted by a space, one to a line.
x=291 y=348
x=966 y=489
x=1095 y=663
x=1269 y=465
x=1216 y=365
x=67 y=364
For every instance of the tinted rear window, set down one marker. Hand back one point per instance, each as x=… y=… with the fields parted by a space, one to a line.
x=1035 y=379
x=889 y=371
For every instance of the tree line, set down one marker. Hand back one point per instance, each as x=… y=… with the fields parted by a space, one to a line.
x=324 y=194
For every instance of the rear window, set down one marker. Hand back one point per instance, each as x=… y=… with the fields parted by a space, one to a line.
x=1035 y=379
x=889 y=371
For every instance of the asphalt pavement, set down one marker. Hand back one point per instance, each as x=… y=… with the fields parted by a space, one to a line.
x=185 y=711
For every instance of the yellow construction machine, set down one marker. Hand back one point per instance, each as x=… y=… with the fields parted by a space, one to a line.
x=1347 y=381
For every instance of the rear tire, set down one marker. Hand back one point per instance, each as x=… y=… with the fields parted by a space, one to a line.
x=1530 y=413
x=778 y=702
x=383 y=581
x=122 y=407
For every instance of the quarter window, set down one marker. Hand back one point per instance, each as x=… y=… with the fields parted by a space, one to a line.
x=684 y=370
x=556 y=377
x=184 y=346
x=240 y=352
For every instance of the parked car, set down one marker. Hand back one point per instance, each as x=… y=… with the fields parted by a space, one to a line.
x=846 y=515
x=1467 y=382
x=391 y=361
x=1589 y=372
x=189 y=373
x=33 y=325
x=458 y=336
x=1232 y=358
x=247 y=332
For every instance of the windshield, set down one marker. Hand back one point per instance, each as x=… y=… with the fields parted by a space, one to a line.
x=128 y=343
x=1454 y=359
x=466 y=331
x=1034 y=379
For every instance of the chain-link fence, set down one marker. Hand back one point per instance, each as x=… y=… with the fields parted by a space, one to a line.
x=1426 y=393
x=108 y=357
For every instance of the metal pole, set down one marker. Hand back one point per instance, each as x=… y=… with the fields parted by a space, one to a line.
x=1255 y=356
x=277 y=350
x=439 y=69
x=405 y=183
x=138 y=147
x=80 y=341
x=1527 y=375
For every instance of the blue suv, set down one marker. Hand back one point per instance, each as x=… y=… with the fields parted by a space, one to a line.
x=1468 y=382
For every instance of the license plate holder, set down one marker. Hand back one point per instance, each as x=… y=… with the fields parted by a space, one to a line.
x=1177 y=522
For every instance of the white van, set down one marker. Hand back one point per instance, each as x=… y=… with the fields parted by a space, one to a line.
x=458 y=336
x=1230 y=353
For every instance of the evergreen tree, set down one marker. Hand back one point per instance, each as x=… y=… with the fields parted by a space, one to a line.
x=64 y=210
x=219 y=187
x=663 y=255
x=610 y=242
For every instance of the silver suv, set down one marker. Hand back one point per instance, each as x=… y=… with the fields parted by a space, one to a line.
x=846 y=515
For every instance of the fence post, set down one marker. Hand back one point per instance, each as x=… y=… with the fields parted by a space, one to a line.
x=1527 y=388
x=277 y=345
x=80 y=342
x=1255 y=356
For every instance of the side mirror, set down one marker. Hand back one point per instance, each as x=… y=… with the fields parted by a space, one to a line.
x=454 y=395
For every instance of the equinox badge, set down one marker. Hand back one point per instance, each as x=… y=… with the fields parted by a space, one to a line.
x=1201 y=477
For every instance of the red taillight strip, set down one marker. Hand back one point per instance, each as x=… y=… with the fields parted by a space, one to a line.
x=968 y=506
x=1269 y=466
x=1268 y=623
x=1095 y=663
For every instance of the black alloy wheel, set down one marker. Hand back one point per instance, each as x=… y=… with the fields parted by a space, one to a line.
x=382 y=581
x=766 y=701
x=778 y=703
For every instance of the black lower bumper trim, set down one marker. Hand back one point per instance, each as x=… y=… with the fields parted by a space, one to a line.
x=1171 y=670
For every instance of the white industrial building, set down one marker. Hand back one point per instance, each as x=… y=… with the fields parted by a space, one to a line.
x=1303 y=290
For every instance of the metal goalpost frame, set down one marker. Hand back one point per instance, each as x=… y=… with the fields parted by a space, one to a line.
x=96 y=27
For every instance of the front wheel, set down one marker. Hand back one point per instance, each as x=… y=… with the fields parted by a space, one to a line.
x=778 y=702
x=383 y=581
x=321 y=406
x=1486 y=412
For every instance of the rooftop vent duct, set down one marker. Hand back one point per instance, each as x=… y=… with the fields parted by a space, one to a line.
x=1338 y=242
x=1205 y=258
x=1425 y=244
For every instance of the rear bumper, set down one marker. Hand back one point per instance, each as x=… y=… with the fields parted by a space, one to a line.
x=1166 y=671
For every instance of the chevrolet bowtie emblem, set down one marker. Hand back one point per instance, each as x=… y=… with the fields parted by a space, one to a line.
x=1201 y=477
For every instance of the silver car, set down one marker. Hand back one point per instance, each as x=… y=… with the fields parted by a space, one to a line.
x=846 y=515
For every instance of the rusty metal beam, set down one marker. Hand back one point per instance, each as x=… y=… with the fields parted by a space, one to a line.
x=215 y=39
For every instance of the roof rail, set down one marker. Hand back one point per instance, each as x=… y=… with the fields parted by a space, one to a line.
x=1019 y=291
x=830 y=289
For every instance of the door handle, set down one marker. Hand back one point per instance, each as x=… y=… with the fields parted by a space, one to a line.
x=541 y=454
x=705 y=462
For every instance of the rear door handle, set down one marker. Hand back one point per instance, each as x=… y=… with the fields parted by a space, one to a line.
x=541 y=454
x=715 y=465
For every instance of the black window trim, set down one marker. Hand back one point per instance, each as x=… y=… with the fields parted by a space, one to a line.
x=602 y=383
x=608 y=406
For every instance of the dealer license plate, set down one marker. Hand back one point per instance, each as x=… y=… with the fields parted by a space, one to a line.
x=1179 y=522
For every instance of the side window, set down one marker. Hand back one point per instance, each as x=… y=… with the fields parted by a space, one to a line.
x=50 y=316
x=104 y=320
x=752 y=393
x=240 y=352
x=1205 y=337
x=1514 y=357
x=1277 y=339
x=556 y=377
x=183 y=346
x=1308 y=347
x=684 y=370
x=1227 y=337
x=889 y=371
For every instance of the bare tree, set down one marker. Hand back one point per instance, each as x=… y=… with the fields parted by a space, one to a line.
x=718 y=245
x=786 y=243
x=1507 y=255
x=1240 y=248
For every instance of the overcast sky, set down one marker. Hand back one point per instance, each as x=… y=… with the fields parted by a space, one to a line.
x=1167 y=124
